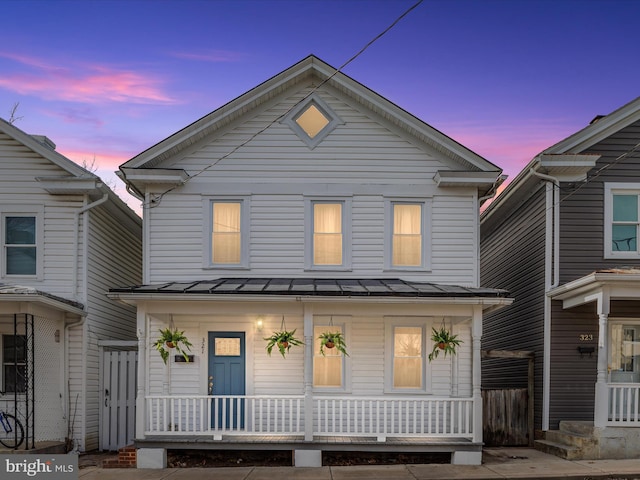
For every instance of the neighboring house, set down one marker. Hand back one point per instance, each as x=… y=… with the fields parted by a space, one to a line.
x=563 y=239
x=66 y=239
x=310 y=203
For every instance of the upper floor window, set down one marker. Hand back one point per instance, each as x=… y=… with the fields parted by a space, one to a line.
x=622 y=222
x=22 y=240
x=406 y=235
x=229 y=233
x=312 y=120
x=20 y=245
x=14 y=363
x=328 y=237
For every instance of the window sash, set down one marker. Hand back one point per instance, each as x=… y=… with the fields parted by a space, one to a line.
x=408 y=357
x=327 y=233
x=328 y=370
x=20 y=245
x=14 y=367
x=226 y=236
x=624 y=228
x=407 y=236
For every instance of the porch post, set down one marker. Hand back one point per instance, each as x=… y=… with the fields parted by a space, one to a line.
x=142 y=370
x=308 y=373
x=476 y=335
x=601 y=410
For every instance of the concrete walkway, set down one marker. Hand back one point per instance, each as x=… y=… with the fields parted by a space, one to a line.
x=498 y=463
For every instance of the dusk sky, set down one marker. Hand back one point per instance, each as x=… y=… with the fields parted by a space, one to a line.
x=108 y=79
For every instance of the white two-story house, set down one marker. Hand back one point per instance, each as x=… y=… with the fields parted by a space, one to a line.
x=66 y=239
x=310 y=203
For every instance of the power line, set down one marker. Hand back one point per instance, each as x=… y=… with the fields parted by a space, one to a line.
x=156 y=200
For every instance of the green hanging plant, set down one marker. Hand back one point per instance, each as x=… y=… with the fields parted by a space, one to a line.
x=170 y=339
x=332 y=340
x=443 y=341
x=284 y=340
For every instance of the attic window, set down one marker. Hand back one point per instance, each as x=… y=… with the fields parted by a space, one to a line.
x=312 y=120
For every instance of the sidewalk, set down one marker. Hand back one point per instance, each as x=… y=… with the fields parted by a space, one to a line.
x=498 y=463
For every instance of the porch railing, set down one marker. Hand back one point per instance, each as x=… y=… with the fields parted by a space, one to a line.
x=624 y=404
x=379 y=417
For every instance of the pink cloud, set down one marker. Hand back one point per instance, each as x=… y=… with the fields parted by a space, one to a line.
x=84 y=83
x=210 y=56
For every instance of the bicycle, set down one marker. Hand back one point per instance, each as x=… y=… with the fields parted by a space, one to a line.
x=12 y=432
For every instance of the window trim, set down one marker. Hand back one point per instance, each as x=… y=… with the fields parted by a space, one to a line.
x=36 y=211
x=611 y=189
x=426 y=204
x=245 y=232
x=322 y=106
x=344 y=323
x=309 y=231
x=426 y=323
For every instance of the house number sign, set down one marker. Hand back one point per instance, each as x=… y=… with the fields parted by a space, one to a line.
x=585 y=337
x=228 y=347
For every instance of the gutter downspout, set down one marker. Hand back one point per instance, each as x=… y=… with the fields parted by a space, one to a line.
x=68 y=326
x=552 y=279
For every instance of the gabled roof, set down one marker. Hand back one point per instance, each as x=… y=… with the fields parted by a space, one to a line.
x=565 y=160
x=79 y=180
x=307 y=68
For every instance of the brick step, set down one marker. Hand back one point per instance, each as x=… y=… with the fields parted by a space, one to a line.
x=127 y=458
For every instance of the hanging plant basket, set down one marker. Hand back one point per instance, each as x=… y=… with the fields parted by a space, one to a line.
x=443 y=341
x=170 y=339
x=283 y=339
x=332 y=340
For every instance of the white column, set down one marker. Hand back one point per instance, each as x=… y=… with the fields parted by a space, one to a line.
x=476 y=335
x=142 y=372
x=601 y=412
x=308 y=373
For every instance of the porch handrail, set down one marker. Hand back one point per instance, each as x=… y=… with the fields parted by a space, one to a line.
x=229 y=414
x=624 y=404
x=424 y=416
x=333 y=415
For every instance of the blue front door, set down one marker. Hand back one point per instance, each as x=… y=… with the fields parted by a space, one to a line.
x=227 y=377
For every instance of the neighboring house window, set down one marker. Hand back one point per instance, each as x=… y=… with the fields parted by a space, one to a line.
x=312 y=120
x=229 y=233
x=622 y=221
x=328 y=369
x=328 y=236
x=408 y=242
x=408 y=358
x=22 y=239
x=14 y=366
x=624 y=351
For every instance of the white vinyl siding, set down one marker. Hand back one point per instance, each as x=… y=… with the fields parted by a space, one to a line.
x=366 y=160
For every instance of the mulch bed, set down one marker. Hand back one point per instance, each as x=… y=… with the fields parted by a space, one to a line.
x=284 y=458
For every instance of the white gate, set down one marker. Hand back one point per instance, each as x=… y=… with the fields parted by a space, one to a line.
x=118 y=398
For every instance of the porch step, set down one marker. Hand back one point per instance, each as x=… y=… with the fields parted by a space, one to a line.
x=561 y=450
x=574 y=427
x=569 y=438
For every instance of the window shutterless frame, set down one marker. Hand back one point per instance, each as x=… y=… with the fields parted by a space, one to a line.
x=22 y=236
x=407 y=235
x=226 y=228
x=621 y=220
x=322 y=233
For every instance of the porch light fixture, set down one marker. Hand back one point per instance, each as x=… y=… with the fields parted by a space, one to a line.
x=259 y=324
x=56 y=336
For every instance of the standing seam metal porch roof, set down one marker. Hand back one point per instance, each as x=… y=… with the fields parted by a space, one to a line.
x=388 y=287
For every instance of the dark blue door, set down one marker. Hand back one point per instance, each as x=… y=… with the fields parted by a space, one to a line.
x=227 y=377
